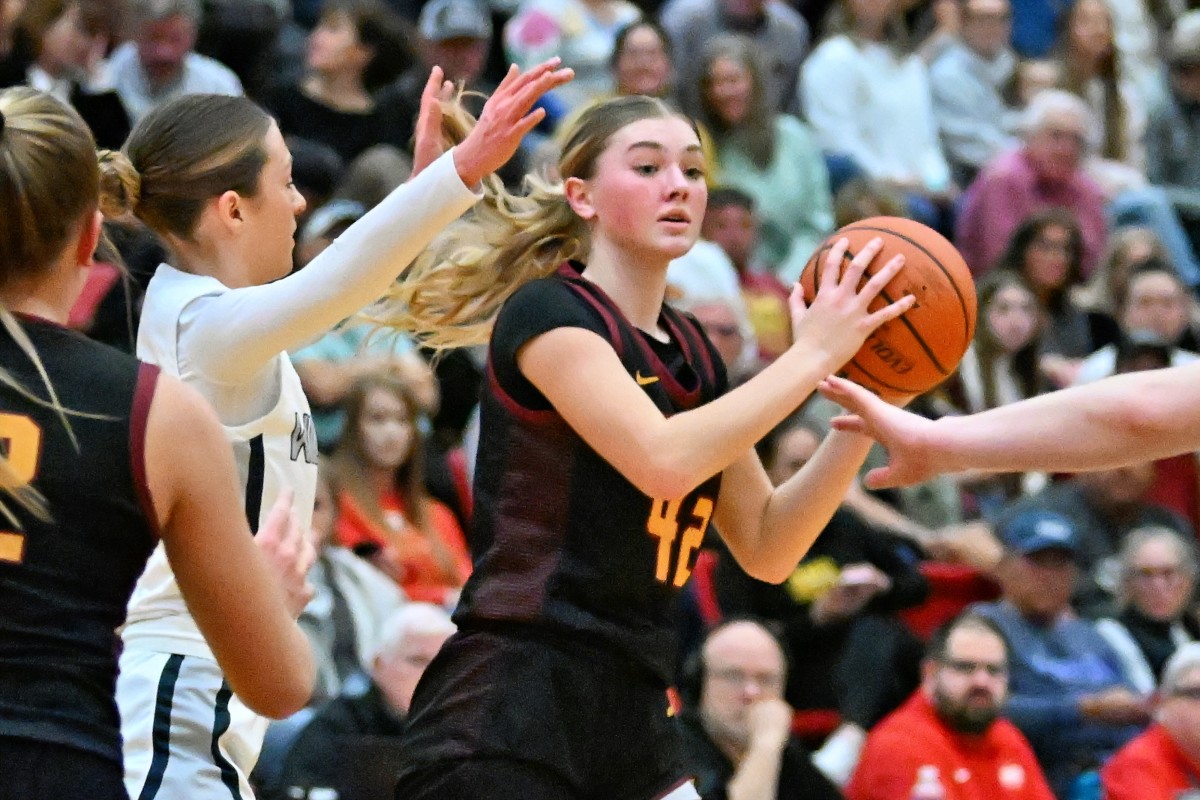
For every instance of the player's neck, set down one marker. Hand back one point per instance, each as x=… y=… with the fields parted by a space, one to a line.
x=49 y=295
x=201 y=257
x=636 y=286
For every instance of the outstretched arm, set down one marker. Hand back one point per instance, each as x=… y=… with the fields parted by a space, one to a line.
x=1120 y=420
x=230 y=337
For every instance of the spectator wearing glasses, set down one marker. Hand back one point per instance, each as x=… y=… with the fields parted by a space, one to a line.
x=1157 y=579
x=737 y=728
x=1165 y=760
x=950 y=732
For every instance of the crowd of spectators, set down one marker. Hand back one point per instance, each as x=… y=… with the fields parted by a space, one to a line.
x=981 y=636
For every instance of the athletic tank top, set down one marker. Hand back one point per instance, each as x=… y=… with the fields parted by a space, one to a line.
x=65 y=582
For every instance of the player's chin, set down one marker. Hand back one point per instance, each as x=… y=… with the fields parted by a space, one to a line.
x=677 y=246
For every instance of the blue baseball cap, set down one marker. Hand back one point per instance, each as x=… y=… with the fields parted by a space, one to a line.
x=1032 y=531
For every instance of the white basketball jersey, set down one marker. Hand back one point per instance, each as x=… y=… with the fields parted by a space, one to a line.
x=272 y=452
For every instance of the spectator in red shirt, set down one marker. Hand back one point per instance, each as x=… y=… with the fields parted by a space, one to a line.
x=1163 y=762
x=949 y=731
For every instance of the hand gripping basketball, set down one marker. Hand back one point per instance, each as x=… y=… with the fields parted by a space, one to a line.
x=913 y=353
x=840 y=313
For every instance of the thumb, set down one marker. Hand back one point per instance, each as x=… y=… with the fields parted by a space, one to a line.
x=882 y=478
x=796 y=303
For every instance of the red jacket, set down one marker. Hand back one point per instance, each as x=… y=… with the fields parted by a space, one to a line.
x=999 y=765
x=1150 y=767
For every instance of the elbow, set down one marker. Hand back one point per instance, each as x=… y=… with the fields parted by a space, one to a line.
x=277 y=694
x=279 y=701
x=770 y=573
x=663 y=478
x=1151 y=419
x=762 y=567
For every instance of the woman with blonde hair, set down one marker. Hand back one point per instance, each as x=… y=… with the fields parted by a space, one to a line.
x=609 y=442
x=105 y=458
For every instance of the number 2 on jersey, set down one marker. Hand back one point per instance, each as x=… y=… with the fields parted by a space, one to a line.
x=21 y=442
x=663 y=524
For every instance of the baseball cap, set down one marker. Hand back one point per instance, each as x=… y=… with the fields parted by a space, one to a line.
x=1031 y=531
x=454 y=19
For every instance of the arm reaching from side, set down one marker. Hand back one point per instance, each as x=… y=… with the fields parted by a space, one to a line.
x=1128 y=418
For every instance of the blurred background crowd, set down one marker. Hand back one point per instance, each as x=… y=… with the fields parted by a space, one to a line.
x=1055 y=142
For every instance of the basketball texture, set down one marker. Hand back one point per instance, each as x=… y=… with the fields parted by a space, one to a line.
x=920 y=349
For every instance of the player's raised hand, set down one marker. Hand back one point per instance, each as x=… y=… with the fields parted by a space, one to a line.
x=289 y=552
x=506 y=117
x=906 y=437
x=837 y=319
x=428 y=144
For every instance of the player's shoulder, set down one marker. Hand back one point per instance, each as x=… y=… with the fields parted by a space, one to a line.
x=64 y=352
x=549 y=302
x=549 y=290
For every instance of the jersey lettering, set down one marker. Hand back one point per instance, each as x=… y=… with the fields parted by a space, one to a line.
x=21 y=444
x=304 y=439
x=663 y=524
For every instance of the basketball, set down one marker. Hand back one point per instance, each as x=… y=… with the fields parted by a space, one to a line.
x=920 y=349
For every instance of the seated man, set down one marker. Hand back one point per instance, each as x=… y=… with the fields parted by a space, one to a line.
x=411 y=638
x=1165 y=760
x=1069 y=695
x=949 y=731
x=736 y=728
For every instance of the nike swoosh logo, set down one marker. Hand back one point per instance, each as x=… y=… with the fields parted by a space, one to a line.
x=644 y=381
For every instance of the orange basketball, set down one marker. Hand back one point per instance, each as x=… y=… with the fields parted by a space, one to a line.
x=919 y=350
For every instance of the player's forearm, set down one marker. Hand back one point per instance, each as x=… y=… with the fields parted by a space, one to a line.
x=700 y=443
x=800 y=509
x=240 y=331
x=1134 y=417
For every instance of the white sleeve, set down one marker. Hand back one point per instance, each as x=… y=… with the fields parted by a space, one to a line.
x=229 y=337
